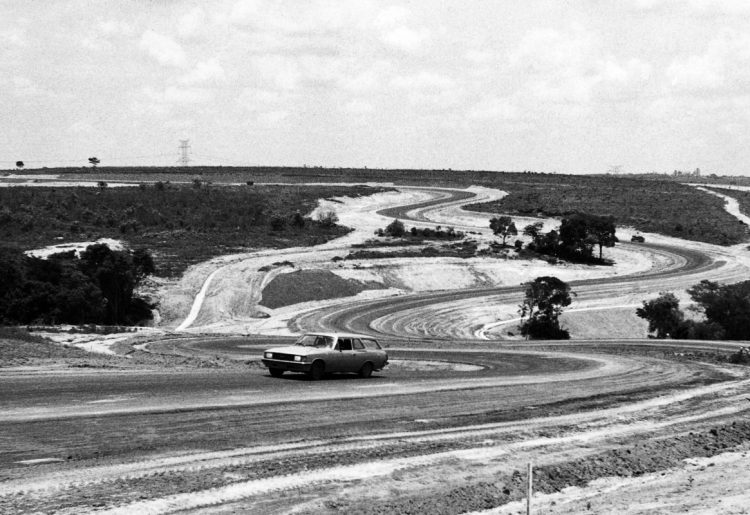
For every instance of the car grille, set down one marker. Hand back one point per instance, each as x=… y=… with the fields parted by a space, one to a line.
x=283 y=357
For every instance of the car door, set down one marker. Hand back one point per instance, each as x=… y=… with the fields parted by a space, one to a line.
x=348 y=358
x=374 y=353
x=361 y=354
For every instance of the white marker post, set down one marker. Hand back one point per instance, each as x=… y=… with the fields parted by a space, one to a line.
x=528 y=491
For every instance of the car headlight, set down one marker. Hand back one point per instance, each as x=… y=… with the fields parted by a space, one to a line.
x=297 y=358
x=268 y=355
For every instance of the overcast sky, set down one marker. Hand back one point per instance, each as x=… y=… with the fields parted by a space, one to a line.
x=568 y=86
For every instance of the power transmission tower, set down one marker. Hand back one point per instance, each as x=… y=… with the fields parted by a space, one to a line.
x=184 y=148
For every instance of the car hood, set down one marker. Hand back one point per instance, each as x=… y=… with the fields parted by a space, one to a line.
x=298 y=350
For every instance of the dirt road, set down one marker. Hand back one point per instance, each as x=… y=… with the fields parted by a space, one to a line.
x=160 y=441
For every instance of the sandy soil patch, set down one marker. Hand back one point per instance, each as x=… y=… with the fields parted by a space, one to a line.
x=431 y=366
x=78 y=247
x=97 y=343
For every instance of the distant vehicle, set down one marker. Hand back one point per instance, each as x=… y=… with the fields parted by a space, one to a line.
x=637 y=238
x=319 y=354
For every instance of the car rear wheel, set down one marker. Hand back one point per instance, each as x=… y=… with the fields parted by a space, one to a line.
x=276 y=372
x=366 y=370
x=317 y=370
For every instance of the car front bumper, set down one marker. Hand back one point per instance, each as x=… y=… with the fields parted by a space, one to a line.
x=291 y=366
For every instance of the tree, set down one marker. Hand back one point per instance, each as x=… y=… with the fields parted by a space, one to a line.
x=298 y=220
x=503 y=226
x=278 y=222
x=533 y=230
x=328 y=218
x=544 y=302
x=143 y=264
x=548 y=243
x=663 y=315
x=395 y=229
x=574 y=238
x=19 y=164
x=94 y=161
x=602 y=230
x=580 y=232
x=727 y=306
x=117 y=277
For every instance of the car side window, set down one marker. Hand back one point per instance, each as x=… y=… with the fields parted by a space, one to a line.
x=371 y=344
x=345 y=344
x=358 y=345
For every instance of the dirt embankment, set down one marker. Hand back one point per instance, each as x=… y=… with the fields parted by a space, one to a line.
x=311 y=285
x=627 y=461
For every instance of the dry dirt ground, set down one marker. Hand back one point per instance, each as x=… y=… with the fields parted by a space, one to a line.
x=170 y=420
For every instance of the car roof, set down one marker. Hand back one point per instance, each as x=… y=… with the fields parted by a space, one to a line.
x=341 y=335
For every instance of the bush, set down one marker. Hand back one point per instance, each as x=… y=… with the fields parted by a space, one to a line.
x=298 y=220
x=741 y=357
x=541 y=329
x=328 y=218
x=278 y=223
x=395 y=229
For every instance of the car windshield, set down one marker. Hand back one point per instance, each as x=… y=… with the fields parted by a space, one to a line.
x=314 y=340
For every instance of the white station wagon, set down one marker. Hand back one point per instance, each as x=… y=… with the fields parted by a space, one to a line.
x=319 y=354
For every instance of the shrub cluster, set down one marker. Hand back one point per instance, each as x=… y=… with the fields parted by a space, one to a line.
x=726 y=310
x=576 y=238
x=396 y=229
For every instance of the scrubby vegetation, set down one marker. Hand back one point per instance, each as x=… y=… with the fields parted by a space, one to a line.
x=725 y=309
x=99 y=287
x=464 y=249
x=652 y=203
x=664 y=207
x=397 y=229
x=179 y=224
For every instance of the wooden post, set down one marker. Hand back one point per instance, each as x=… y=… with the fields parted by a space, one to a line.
x=529 y=487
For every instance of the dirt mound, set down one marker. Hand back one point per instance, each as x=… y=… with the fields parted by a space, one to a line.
x=310 y=285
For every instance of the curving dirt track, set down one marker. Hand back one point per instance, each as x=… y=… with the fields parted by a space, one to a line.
x=446 y=428
x=172 y=441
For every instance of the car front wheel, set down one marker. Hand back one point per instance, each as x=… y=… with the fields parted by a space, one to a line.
x=276 y=372
x=317 y=370
x=366 y=370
